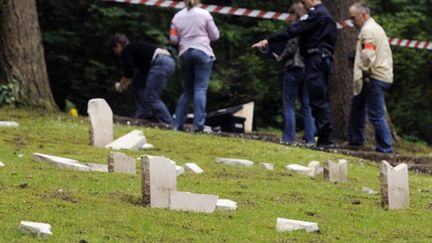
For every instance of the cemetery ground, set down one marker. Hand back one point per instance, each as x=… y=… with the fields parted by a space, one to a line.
x=101 y=207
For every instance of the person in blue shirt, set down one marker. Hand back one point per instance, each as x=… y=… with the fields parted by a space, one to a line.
x=317 y=31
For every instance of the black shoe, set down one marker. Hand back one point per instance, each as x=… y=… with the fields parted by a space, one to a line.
x=325 y=146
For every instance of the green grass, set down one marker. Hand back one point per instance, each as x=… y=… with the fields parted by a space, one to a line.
x=102 y=207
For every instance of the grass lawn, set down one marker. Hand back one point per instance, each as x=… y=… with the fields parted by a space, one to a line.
x=103 y=207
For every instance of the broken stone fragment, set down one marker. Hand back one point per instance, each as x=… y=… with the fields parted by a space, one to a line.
x=226 y=204
x=267 y=166
x=193 y=168
x=134 y=140
x=39 y=229
x=8 y=124
x=60 y=161
x=288 y=225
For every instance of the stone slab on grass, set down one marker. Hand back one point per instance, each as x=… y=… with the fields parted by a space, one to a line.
x=267 y=166
x=179 y=170
x=134 y=140
x=60 y=161
x=236 y=162
x=98 y=167
x=1 y=164
x=193 y=168
x=39 y=229
x=226 y=204
x=288 y=225
x=147 y=146
x=186 y=201
x=121 y=163
x=9 y=124
x=159 y=179
x=394 y=186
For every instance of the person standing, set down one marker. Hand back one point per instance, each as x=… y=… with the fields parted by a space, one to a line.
x=373 y=75
x=193 y=28
x=154 y=67
x=293 y=86
x=318 y=31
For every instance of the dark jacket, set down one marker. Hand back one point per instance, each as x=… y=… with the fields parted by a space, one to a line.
x=291 y=55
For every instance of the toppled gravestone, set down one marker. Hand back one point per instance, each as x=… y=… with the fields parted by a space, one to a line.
x=236 y=162
x=288 y=225
x=186 y=201
x=9 y=124
x=134 y=140
x=193 y=168
x=60 y=161
x=312 y=169
x=39 y=229
x=226 y=204
x=121 y=163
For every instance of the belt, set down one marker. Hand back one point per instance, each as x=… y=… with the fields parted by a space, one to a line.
x=323 y=51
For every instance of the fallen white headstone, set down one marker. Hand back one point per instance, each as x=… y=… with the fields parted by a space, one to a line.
x=134 y=140
x=179 y=170
x=158 y=181
x=101 y=122
x=60 y=161
x=315 y=166
x=8 y=124
x=267 y=166
x=121 y=163
x=40 y=229
x=1 y=164
x=237 y=162
x=98 y=167
x=193 y=167
x=336 y=172
x=291 y=225
x=147 y=146
x=186 y=201
x=226 y=204
x=300 y=169
x=394 y=186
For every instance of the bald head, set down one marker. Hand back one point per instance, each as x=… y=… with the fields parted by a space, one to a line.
x=359 y=14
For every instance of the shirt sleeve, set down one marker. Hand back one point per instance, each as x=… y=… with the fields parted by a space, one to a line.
x=368 y=53
x=289 y=51
x=306 y=23
x=128 y=63
x=212 y=29
x=174 y=38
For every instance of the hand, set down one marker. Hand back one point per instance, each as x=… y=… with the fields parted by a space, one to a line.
x=261 y=44
x=123 y=84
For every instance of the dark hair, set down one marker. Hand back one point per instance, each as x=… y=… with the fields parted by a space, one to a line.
x=119 y=38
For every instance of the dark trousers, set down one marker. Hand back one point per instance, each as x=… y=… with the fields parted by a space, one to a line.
x=370 y=101
x=318 y=69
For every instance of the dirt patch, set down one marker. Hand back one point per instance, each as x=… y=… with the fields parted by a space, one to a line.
x=60 y=195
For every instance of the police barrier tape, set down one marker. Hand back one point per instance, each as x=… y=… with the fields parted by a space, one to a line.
x=253 y=13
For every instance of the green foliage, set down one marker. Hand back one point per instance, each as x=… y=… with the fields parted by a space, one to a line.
x=105 y=207
x=81 y=65
x=7 y=96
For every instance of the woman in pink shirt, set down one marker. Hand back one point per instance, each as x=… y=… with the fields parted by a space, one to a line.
x=193 y=29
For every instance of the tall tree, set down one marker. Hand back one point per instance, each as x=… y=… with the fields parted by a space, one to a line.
x=22 y=59
x=341 y=84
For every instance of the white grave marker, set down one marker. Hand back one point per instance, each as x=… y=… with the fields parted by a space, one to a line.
x=134 y=140
x=60 y=161
x=186 y=201
x=8 y=124
x=101 y=122
x=336 y=172
x=226 y=204
x=179 y=170
x=1 y=164
x=237 y=162
x=121 y=163
x=267 y=166
x=158 y=181
x=289 y=225
x=394 y=186
x=40 y=229
x=193 y=167
x=98 y=167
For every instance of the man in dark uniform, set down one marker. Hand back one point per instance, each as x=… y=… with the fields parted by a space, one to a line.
x=317 y=31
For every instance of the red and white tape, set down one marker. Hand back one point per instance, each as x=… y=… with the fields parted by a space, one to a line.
x=253 y=13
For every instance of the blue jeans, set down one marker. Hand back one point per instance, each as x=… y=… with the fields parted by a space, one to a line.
x=318 y=69
x=293 y=85
x=196 y=70
x=370 y=100
x=149 y=86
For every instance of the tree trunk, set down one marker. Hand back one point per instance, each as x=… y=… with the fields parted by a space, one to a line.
x=22 y=59
x=341 y=84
